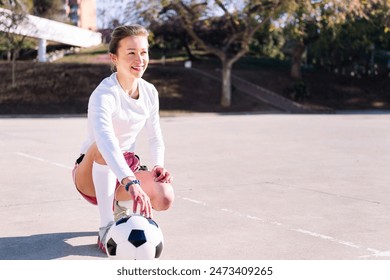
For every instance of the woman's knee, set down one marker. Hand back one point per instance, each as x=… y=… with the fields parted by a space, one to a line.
x=164 y=199
x=168 y=201
x=161 y=194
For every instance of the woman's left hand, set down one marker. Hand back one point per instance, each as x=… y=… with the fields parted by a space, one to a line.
x=161 y=175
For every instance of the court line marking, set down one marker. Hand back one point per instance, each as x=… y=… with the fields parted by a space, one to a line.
x=373 y=252
x=43 y=160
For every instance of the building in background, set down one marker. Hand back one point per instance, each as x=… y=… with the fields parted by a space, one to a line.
x=82 y=13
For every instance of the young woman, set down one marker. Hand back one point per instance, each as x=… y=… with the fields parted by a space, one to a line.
x=108 y=173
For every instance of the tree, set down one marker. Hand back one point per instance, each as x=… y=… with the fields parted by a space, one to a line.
x=310 y=20
x=50 y=9
x=268 y=42
x=355 y=43
x=224 y=29
x=12 y=16
x=170 y=34
x=112 y=13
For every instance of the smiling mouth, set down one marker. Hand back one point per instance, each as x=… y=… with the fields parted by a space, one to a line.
x=137 y=68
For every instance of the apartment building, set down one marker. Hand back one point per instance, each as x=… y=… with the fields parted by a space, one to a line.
x=82 y=13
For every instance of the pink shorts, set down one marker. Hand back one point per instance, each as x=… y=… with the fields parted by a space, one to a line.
x=131 y=159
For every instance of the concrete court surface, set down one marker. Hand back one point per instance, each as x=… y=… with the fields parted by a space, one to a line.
x=258 y=186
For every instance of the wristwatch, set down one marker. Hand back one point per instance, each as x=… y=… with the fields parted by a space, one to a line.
x=136 y=181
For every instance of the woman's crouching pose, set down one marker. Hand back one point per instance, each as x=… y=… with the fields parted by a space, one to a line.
x=108 y=173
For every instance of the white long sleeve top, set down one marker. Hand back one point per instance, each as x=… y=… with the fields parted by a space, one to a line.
x=115 y=119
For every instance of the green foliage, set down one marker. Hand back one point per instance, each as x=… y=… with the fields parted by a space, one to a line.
x=335 y=33
x=268 y=42
x=22 y=5
x=352 y=42
x=51 y=9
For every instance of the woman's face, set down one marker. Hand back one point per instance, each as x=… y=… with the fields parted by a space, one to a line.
x=132 y=57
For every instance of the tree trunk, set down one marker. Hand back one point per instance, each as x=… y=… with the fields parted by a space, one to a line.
x=188 y=49
x=226 y=99
x=296 y=62
x=13 y=72
x=13 y=69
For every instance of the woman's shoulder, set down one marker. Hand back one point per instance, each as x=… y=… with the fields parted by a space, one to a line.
x=149 y=90
x=107 y=86
x=106 y=90
x=108 y=83
x=146 y=84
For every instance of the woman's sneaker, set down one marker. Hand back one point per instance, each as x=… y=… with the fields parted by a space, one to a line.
x=101 y=242
x=122 y=209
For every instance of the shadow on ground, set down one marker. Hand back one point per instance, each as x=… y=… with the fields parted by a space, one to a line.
x=46 y=246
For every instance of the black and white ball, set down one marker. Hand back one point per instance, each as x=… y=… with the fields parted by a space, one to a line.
x=135 y=238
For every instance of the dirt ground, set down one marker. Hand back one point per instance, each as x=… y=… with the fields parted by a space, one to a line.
x=64 y=88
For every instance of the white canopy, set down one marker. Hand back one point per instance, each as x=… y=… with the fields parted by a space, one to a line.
x=51 y=30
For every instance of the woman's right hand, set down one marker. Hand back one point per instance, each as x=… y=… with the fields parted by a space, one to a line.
x=139 y=197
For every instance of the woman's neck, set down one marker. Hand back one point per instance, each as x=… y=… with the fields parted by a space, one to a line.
x=129 y=85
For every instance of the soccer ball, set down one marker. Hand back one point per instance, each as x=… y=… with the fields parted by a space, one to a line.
x=134 y=238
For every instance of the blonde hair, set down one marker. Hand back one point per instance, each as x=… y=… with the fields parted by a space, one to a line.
x=124 y=31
